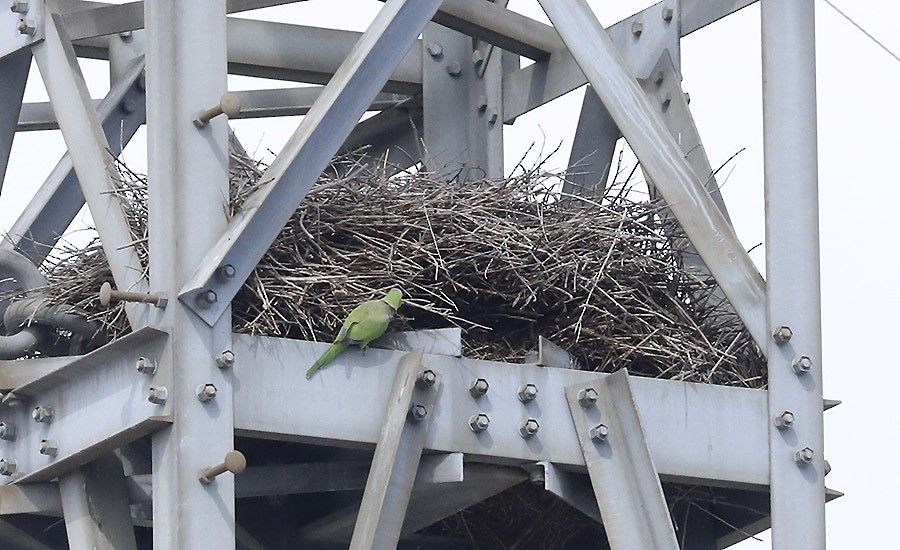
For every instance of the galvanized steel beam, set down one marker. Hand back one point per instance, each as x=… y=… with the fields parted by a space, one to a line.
x=796 y=440
x=572 y=488
x=14 y=71
x=593 y=147
x=626 y=484
x=307 y=153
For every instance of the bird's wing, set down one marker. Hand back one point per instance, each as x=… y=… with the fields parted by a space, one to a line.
x=370 y=322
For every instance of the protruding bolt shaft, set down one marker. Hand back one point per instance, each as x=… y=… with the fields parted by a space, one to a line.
x=49 y=447
x=782 y=335
x=587 y=397
x=235 y=462
x=26 y=26
x=107 y=295
x=802 y=364
x=527 y=393
x=660 y=77
x=229 y=105
x=418 y=412
x=426 y=378
x=492 y=116
x=479 y=422
x=146 y=366
x=7 y=432
x=158 y=395
x=225 y=359
x=42 y=414
x=205 y=392
x=599 y=433
x=784 y=420
x=803 y=456
x=7 y=466
x=479 y=387
x=477 y=57
x=528 y=428
x=666 y=101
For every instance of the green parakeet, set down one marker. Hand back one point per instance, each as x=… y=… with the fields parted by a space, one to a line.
x=367 y=322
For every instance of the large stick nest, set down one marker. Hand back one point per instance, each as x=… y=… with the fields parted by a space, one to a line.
x=505 y=260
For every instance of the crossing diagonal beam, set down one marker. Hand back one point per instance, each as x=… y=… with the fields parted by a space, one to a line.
x=663 y=161
x=321 y=133
x=13 y=75
x=625 y=482
x=90 y=152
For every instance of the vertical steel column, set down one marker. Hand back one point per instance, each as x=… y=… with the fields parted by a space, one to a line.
x=188 y=198
x=792 y=264
x=13 y=75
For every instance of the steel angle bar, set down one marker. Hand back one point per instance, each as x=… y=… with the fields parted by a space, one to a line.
x=295 y=101
x=60 y=198
x=696 y=14
x=625 y=481
x=14 y=71
x=96 y=506
x=90 y=152
x=19 y=372
x=593 y=147
x=30 y=498
x=391 y=140
x=572 y=488
x=698 y=433
x=796 y=440
x=408 y=414
x=661 y=158
x=306 y=154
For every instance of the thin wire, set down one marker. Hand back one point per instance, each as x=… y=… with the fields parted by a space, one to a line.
x=862 y=30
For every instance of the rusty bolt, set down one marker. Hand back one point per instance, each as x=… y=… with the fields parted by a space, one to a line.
x=18 y=6
x=527 y=393
x=205 y=392
x=426 y=378
x=599 y=433
x=418 y=412
x=784 y=420
x=454 y=68
x=49 y=447
x=528 y=428
x=7 y=432
x=158 y=396
x=637 y=28
x=146 y=366
x=42 y=414
x=782 y=335
x=435 y=50
x=225 y=359
x=587 y=397
x=667 y=14
x=26 y=26
x=7 y=466
x=803 y=456
x=479 y=422
x=802 y=364
x=479 y=387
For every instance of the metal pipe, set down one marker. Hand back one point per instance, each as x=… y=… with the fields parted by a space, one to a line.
x=796 y=463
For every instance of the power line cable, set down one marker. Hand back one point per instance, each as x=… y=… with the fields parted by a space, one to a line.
x=862 y=30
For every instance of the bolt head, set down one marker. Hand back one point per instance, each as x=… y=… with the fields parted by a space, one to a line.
x=527 y=393
x=482 y=103
x=426 y=378
x=18 y=6
x=49 y=447
x=42 y=414
x=660 y=76
x=226 y=272
x=479 y=387
x=827 y=467
x=784 y=420
x=802 y=364
x=207 y=297
x=492 y=116
x=225 y=359
x=587 y=397
x=529 y=427
x=479 y=422
x=7 y=466
x=205 y=392
x=804 y=456
x=7 y=432
x=667 y=14
x=667 y=101
x=599 y=433
x=477 y=57
x=435 y=49
x=418 y=412
x=637 y=28
x=454 y=68
x=158 y=395
x=146 y=366
x=782 y=335
x=26 y=26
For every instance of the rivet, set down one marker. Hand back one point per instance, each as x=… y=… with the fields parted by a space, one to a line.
x=128 y=105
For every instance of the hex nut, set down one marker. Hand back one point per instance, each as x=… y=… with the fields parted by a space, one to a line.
x=7 y=466
x=479 y=422
x=782 y=335
x=527 y=393
x=26 y=26
x=803 y=456
x=226 y=272
x=477 y=57
x=206 y=298
x=492 y=116
x=49 y=447
x=667 y=14
x=802 y=364
x=18 y=6
x=479 y=387
x=7 y=432
x=42 y=414
x=225 y=359
x=205 y=392
x=426 y=378
x=435 y=49
x=599 y=433
x=158 y=396
x=146 y=366
x=529 y=427
x=418 y=412
x=587 y=397
x=784 y=420
x=454 y=68
x=637 y=28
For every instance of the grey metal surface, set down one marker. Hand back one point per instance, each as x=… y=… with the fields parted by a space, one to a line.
x=792 y=266
x=30 y=498
x=593 y=146
x=662 y=159
x=14 y=71
x=11 y=39
x=396 y=460
x=573 y=488
x=96 y=507
x=308 y=152
x=695 y=431
x=89 y=150
x=59 y=199
x=697 y=14
x=624 y=478
x=442 y=341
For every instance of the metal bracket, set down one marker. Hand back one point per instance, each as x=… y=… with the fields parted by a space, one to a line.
x=625 y=482
x=21 y=28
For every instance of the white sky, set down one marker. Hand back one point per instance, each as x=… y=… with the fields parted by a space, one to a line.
x=859 y=165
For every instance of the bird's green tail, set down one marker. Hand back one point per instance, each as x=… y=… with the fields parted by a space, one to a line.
x=326 y=358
